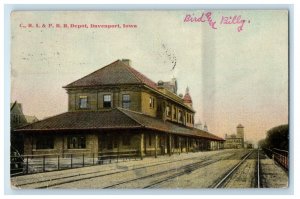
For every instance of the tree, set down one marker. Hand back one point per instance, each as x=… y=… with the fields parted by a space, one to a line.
x=277 y=137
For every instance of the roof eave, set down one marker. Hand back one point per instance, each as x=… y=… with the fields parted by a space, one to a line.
x=72 y=129
x=101 y=85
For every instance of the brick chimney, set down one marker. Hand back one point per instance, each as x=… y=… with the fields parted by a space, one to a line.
x=127 y=61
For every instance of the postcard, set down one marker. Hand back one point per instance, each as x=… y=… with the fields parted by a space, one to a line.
x=168 y=99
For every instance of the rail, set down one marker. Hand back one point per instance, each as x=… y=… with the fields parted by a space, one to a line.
x=231 y=171
x=28 y=164
x=279 y=156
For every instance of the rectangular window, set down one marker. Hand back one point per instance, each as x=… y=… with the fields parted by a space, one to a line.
x=83 y=102
x=126 y=101
x=45 y=142
x=180 y=115
x=107 y=101
x=168 y=109
x=151 y=102
x=76 y=142
x=175 y=113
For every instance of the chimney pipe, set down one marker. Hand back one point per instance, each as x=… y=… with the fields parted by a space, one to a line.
x=127 y=61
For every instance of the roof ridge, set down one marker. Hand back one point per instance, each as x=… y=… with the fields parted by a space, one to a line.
x=124 y=112
x=213 y=135
x=131 y=69
x=91 y=73
x=11 y=108
x=41 y=120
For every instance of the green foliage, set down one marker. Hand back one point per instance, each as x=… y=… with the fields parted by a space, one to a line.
x=277 y=137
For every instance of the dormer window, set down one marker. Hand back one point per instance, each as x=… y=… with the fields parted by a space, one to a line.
x=83 y=102
x=151 y=102
x=107 y=101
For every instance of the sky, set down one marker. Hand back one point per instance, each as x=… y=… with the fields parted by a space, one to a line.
x=234 y=75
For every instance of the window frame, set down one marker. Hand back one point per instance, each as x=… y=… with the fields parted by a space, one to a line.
x=168 y=111
x=180 y=115
x=175 y=113
x=105 y=103
x=126 y=102
x=76 y=142
x=151 y=102
x=82 y=97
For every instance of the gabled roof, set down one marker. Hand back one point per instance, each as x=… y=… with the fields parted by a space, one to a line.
x=117 y=118
x=16 y=108
x=115 y=73
x=12 y=105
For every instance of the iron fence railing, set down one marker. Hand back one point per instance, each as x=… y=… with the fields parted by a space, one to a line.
x=28 y=164
x=280 y=156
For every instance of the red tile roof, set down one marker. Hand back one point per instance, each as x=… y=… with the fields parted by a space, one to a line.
x=83 y=120
x=114 y=73
x=112 y=119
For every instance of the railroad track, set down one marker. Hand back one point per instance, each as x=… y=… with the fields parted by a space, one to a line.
x=95 y=174
x=172 y=173
x=221 y=183
x=165 y=176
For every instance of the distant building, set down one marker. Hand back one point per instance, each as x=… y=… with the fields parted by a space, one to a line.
x=171 y=85
x=205 y=128
x=235 y=141
x=198 y=125
x=18 y=119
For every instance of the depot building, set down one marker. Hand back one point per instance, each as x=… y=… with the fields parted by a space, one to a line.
x=118 y=109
